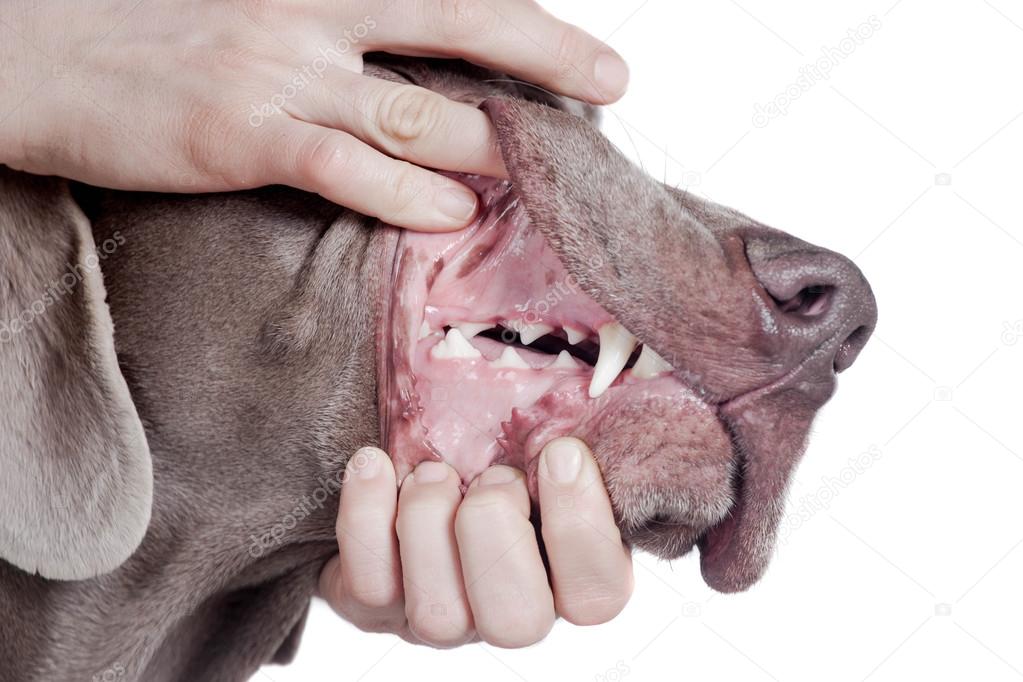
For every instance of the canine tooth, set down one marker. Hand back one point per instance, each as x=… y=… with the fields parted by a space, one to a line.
x=454 y=345
x=528 y=333
x=616 y=345
x=509 y=360
x=574 y=335
x=563 y=361
x=424 y=330
x=471 y=329
x=650 y=364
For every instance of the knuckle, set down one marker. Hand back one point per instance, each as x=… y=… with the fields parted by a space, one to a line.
x=594 y=607
x=425 y=503
x=569 y=528
x=205 y=128
x=440 y=625
x=568 y=52
x=520 y=628
x=259 y=12
x=373 y=591
x=408 y=113
x=327 y=158
x=488 y=506
x=463 y=20
x=406 y=188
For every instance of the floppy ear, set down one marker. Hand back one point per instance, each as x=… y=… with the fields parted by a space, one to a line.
x=76 y=482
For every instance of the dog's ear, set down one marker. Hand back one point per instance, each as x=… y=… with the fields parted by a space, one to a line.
x=76 y=481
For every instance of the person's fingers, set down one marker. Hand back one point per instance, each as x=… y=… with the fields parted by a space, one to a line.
x=591 y=569
x=347 y=171
x=404 y=121
x=365 y=582
x=435 y=603
x=514 y=36
x=504 y=575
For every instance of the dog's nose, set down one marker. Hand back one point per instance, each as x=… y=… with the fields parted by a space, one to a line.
x=821 y=300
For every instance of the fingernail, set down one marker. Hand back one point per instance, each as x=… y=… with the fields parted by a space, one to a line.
x=457 y=203
x=430 y=472
x=563 y=460
x=611 y=74
x=366 y=463
x=497 y=475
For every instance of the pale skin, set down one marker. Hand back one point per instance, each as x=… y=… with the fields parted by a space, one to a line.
x=444 y=569
x=182 y=96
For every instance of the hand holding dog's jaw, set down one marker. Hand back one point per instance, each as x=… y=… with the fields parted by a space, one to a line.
x=442 y=568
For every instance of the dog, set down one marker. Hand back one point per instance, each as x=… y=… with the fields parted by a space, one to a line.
x=184 y=379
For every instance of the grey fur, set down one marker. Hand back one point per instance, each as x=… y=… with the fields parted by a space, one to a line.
x=246 y=336
x=77 y=482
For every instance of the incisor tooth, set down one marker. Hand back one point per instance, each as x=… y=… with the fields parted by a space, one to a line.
x=563 y=361
x=509 y=360
x=528 y=333
x=649 y=364
x=454 y=345
x=616 y=345
x=471 y=329
x=574 y=335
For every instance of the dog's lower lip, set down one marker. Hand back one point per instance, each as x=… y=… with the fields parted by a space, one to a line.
x=496 y=276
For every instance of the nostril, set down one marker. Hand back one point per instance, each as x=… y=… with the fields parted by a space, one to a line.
x=850 y=348
x=809 y=302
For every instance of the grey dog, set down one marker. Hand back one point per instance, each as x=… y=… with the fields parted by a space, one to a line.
x=183 y=380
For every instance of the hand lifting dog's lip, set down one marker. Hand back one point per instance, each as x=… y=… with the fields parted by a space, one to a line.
x=687 y=344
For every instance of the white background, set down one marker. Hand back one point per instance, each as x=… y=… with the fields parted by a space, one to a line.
x=907 y=562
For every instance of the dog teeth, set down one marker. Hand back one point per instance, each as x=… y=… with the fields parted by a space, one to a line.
x=471 y=329
x=528 y=333
x=564 y=361
x=424 y=330
x=509 y=360
x=574 y=335
x=616 y=345
x=454 y=346
x=649 y=364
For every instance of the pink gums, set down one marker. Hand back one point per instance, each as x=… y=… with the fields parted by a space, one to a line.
x=465 y=411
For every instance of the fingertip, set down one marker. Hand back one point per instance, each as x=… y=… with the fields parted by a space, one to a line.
x=429 y=471
x=368 y=463
x=458 y=204
x=566 y=461
x=610 y=76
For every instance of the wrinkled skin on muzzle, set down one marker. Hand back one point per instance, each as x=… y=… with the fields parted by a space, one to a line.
x=754 y=322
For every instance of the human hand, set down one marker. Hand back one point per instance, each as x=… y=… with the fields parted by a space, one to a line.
x=163 y=96
x=442 y=569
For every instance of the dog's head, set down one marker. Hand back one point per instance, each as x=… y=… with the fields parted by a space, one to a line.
x=689 y=345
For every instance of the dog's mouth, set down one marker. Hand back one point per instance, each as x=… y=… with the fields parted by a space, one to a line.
x=489 y=350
